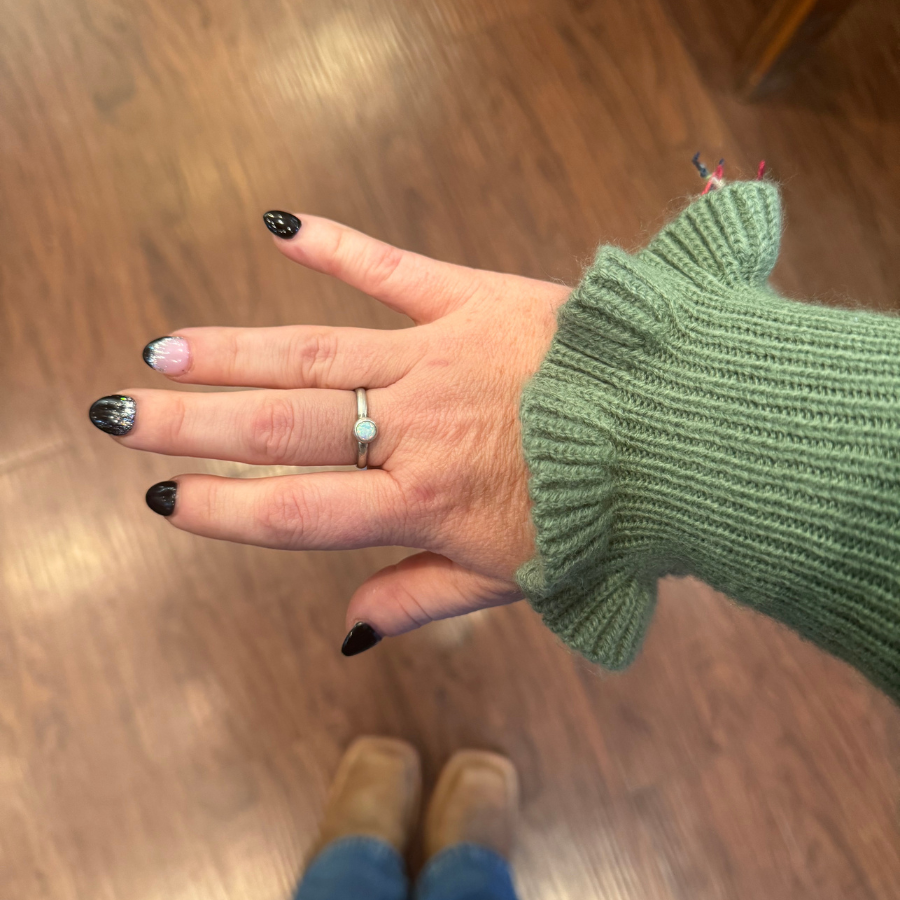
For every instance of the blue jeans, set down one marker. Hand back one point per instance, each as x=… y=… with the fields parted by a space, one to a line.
x=366 y=868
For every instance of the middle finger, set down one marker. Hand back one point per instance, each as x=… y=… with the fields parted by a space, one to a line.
x=289 y=356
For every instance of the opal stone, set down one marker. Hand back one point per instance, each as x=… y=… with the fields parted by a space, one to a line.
x=365 y=430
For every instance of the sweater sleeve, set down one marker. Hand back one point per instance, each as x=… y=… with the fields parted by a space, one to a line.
x=688 y=420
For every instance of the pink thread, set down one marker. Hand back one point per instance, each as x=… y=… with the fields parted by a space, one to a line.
x=715 y=180
x=761 y=170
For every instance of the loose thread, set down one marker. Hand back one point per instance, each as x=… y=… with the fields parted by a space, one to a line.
x=699 y=165
x=761 y=170
x=716 y=180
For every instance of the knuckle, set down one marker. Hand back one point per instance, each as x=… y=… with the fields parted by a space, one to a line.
x=336 y=251
x=287 y=514
x=273 y=431
x=207 y=502
x=410 y=605
x=424 y=507
x=381 y=262
x=231 y=353
x=176 y=420
x=313 y=354
x=423 y=498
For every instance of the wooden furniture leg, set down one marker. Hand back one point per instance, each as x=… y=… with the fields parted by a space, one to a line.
x=785 y=37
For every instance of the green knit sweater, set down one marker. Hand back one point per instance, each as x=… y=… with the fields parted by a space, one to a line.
x=688 y=420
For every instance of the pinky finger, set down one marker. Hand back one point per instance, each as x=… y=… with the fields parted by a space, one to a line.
x=418 y=590
x=314 y=511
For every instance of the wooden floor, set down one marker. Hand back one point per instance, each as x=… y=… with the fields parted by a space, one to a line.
x=171 y=709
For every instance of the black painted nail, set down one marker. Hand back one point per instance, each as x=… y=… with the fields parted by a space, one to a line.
x=113 y=414
x=360 y=638
x=161 y=497
x=149 y=351
x=281 y=224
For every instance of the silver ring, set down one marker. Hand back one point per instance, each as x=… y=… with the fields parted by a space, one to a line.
x=364 y=429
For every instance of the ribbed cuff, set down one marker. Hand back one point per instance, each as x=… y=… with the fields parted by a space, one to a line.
x=687 y=420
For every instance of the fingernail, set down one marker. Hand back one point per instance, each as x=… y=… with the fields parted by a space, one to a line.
x=281 y=224
x=360 y=638
x=169 y=355
x=161 y=497
x=113 y=414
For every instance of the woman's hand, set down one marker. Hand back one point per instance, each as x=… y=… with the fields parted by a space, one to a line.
x=447 y=476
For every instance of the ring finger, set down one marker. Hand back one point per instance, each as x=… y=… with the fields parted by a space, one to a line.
x=289 y=428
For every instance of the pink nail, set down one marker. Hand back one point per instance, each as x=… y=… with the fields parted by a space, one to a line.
x=169 y=355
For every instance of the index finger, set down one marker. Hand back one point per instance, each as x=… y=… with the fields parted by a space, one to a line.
x=418 y=286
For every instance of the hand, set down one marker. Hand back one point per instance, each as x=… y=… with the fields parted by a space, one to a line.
x=449 y=476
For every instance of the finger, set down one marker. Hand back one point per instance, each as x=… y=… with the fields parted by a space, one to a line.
x=422 y=288
x=275 y=428
x=422 y=589
x=293 y=356
x=315 y=511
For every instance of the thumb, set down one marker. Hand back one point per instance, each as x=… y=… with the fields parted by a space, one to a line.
x=418 y=590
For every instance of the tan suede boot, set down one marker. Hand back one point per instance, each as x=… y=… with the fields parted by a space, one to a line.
x=476 y=800
x=375 y=792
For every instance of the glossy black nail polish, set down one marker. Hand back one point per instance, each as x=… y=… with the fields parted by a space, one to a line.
x=281 y=224
x=113 y=414
x=161 y=497
x=149 y=350
x=360 y=638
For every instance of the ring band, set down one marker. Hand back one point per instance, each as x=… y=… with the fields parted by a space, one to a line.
x=364 y=429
